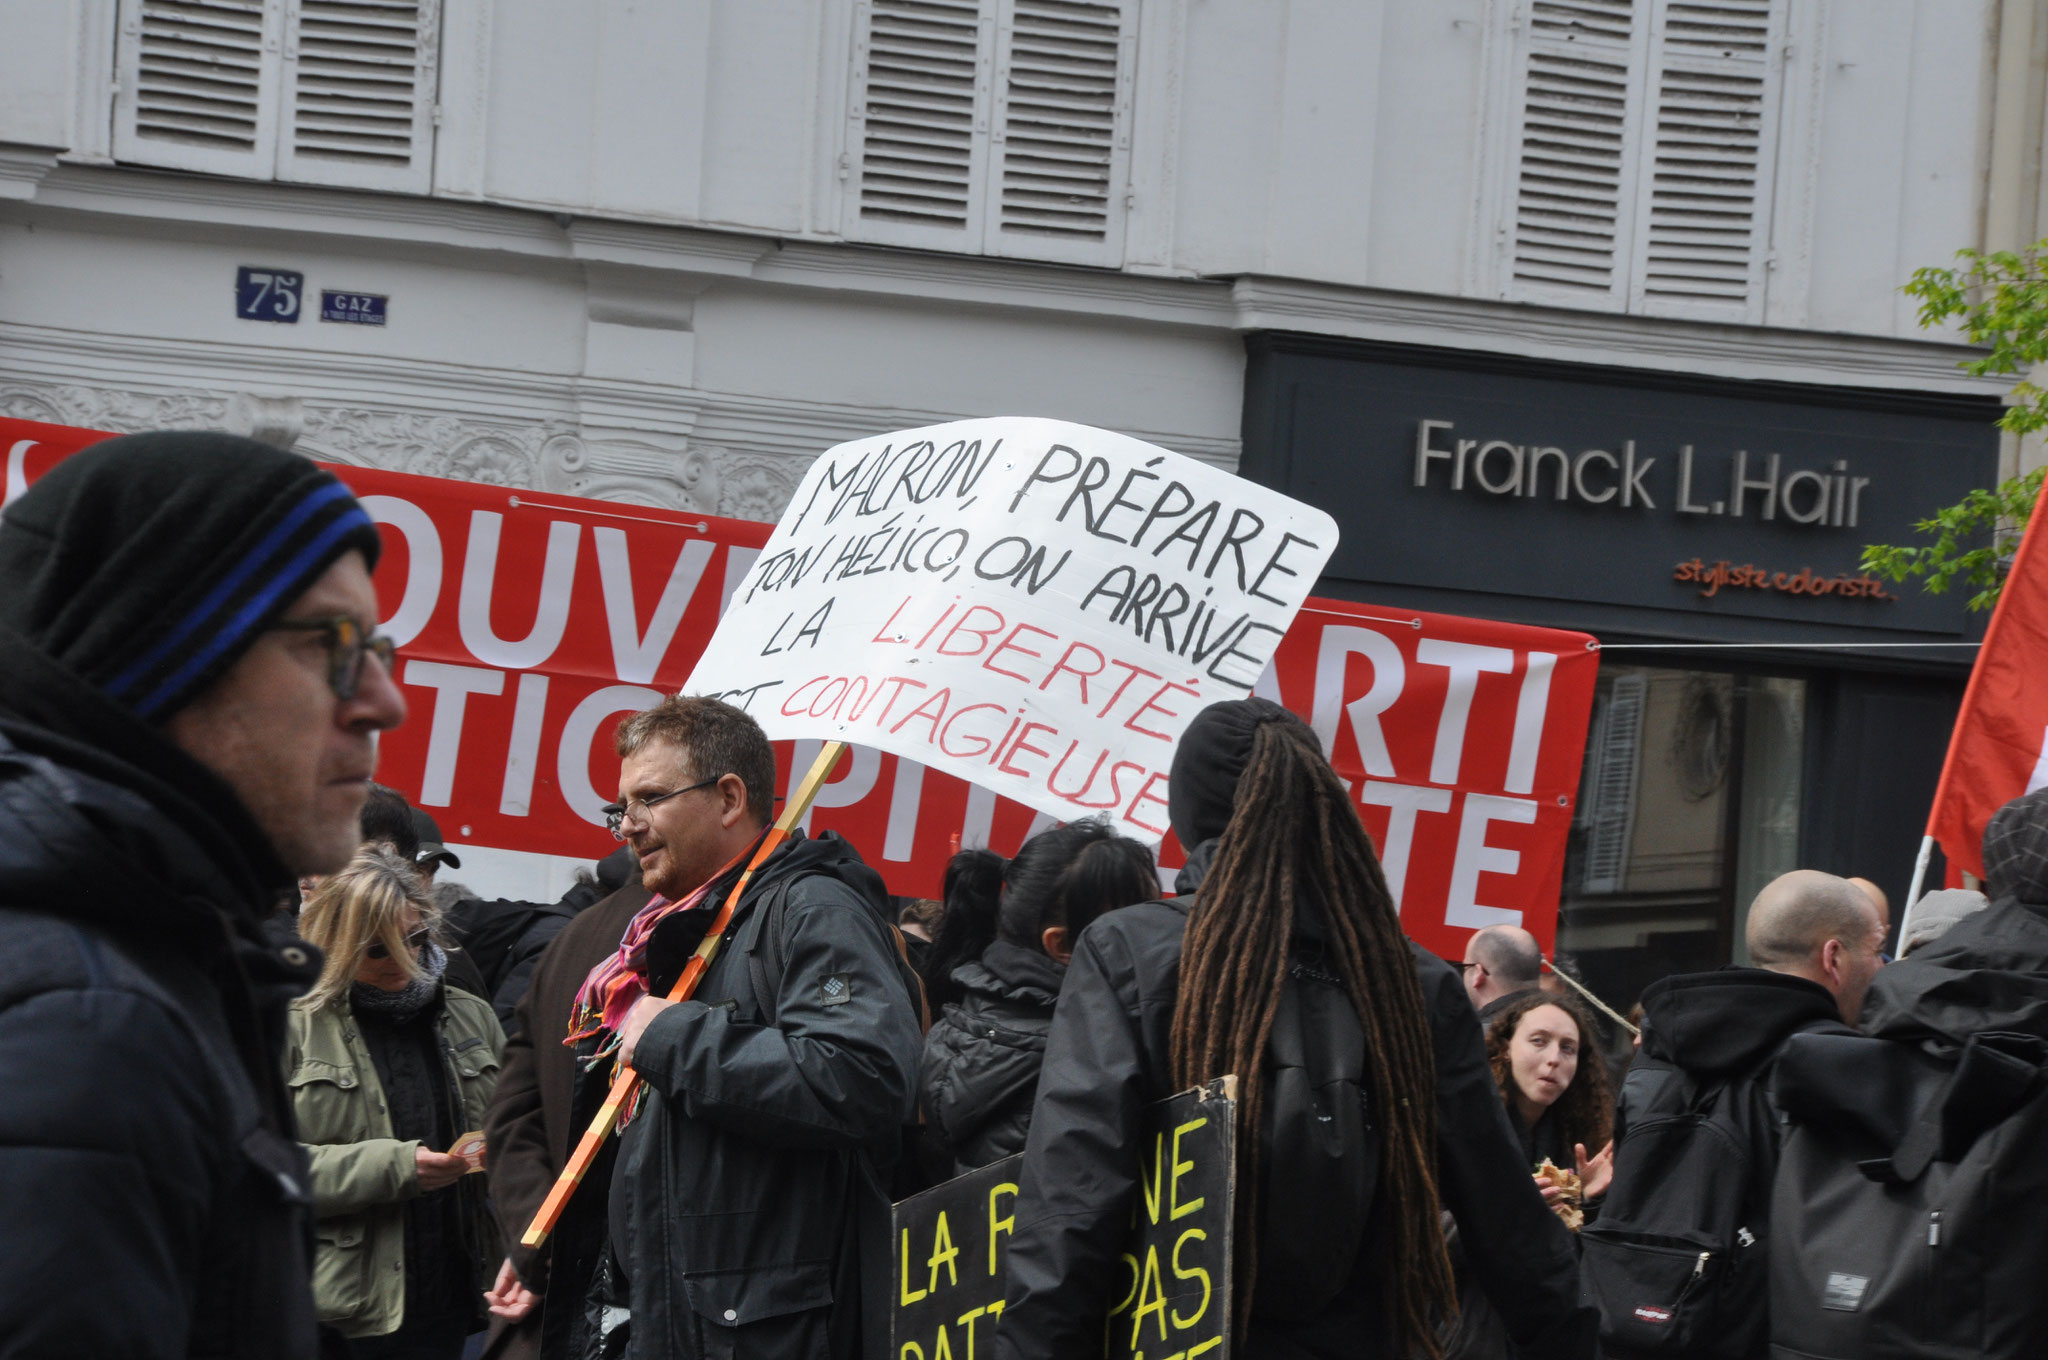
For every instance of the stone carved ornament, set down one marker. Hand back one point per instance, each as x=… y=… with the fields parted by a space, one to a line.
x=548 y=456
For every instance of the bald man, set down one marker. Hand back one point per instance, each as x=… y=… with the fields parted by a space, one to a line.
x=1500 y=961
x=1711 y=1039
x=1812 y=925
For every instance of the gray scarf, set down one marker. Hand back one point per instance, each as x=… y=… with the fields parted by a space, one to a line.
x=402 y=1005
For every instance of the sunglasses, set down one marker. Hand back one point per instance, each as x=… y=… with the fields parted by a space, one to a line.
x=414 y=942
x=347 y=643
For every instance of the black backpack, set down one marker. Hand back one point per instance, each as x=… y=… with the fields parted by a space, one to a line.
x=1675 y=1261
x=1319 y=1151
x=1911 y=1195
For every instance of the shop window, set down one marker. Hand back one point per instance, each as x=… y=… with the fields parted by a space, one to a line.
x=1644 y=135
x=1689 y=803
x=308 y=91
x=996 y=127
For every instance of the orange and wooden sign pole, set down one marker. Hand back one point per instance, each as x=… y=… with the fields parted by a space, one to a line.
x=628 y=1081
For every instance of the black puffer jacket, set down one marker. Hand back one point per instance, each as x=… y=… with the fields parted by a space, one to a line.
x=744 y=1187
x=153 y=1200
x=981 y=1058
x=1107 y=1057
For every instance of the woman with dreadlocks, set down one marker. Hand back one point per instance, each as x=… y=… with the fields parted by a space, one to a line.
x=1281 y=960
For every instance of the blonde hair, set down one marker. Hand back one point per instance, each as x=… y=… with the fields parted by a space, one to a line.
x=362 y=905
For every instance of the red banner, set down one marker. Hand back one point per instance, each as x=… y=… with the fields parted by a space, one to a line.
x=529 y=623
x=1999 y=750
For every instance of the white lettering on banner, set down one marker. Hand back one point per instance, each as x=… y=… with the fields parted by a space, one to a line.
x=522 y=755
x=572 y=763
x=453 y=686
x=738 y=562
x=1389 y=675
x=1036 y=607
x=1531 y=708
x=2039 y=777
x=1465 y=661
x=1476 y=857
x=1403 y=802
x=17 y=469
x=900 y=840
x=422 y=570
x=637 y=656
x=863 y=766
x=551 y=612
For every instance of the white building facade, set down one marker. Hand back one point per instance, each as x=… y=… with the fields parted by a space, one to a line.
x=666 y=252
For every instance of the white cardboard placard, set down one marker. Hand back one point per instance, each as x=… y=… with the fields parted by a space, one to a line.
x=1035 y=606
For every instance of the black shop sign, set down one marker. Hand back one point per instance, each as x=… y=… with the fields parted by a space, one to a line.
x=1171 y=1296
x=1477 y=476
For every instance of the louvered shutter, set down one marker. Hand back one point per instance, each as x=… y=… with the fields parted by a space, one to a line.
x=1702 y=237
x=1061 y=128
x=198 y=85
x=996 y=126
x=1575 y=186
x=358 y=93
x=918 y=135
x=1609 y=798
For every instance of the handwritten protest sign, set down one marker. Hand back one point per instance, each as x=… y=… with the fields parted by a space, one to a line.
x=1172 y=1290
x=1037 y=607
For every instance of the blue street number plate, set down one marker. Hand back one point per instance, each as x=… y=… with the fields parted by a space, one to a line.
x=362 y=309
x=268 y=294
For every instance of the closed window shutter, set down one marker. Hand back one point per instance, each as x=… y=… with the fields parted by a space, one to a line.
x=1575 y=183
x=919 y=124
x=1062 y=129
x=1610 y=793
x=358 y=93
x=1704 y=228
x=198 y=85
x=997 y=126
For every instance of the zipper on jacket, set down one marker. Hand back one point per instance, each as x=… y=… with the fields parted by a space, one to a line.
x=1934 y=1228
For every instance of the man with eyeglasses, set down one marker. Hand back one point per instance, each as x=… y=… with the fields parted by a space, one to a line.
x=750 y=1188
x=191 y=687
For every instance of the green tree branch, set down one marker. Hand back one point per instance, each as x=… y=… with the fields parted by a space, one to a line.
x=2001 y=299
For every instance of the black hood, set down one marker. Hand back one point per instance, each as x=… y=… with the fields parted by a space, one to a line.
x=109 y=804
x=1730 y=1021
x=1989 y=972
x=827 y=853
x=1010 y=972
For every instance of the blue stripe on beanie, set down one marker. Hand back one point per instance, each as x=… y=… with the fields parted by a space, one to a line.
x=219 y=596
x=234 y=632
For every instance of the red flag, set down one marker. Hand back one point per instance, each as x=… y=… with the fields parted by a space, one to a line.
x=2000 y=746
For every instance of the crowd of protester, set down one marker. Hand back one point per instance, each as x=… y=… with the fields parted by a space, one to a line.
x=275 y=1088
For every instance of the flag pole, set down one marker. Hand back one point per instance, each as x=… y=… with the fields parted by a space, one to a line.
x=628 y=1081
x=1919 y=877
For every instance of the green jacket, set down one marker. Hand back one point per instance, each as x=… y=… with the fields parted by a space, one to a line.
x=362 y=1176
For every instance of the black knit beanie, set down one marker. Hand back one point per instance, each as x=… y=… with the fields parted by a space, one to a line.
x=1201 y=790
x=148 y=564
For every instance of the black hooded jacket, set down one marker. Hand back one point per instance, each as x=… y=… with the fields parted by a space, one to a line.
x=1721 y=1025
x=153 y=1201
x=744 y=1185
x=981 y=1058
x=1107 y=1058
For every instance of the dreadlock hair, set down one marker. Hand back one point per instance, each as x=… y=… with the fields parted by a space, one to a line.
x=1587 y=1105
x=1294 y=831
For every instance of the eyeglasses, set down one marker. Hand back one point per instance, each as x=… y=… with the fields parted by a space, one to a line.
x=346 y=644
x=414 y=942
x=616 y=815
